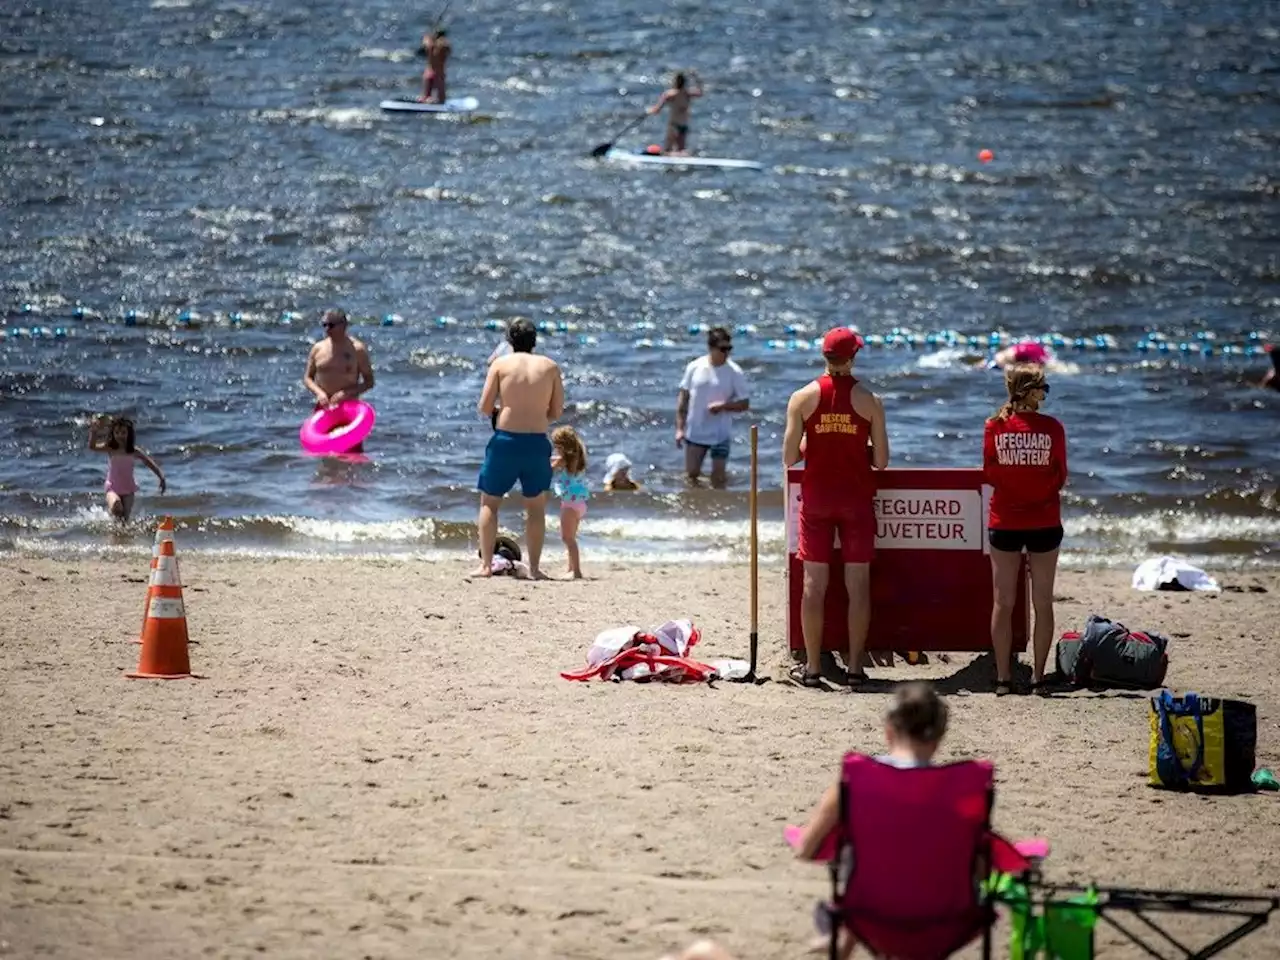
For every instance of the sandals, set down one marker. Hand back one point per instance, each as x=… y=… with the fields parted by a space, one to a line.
x=801 y=677
x=1004 y=688
x=853 y=679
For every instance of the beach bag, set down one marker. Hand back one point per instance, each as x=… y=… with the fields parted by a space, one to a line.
x=1202 y=743
x=1108 y=654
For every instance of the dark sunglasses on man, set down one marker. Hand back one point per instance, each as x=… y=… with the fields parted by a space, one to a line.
x=724 y=347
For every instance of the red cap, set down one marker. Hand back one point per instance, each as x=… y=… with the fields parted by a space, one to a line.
x=841 y=343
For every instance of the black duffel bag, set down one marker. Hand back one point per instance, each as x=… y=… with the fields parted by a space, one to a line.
x=1108 y=654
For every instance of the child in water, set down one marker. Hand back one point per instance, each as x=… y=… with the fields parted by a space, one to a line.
x=569 y=483
x=617 y=473
x=114 y=436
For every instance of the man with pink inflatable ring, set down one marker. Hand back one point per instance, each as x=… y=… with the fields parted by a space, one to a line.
x=338 y=367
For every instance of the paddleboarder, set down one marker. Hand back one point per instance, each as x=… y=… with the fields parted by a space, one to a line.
x=678 y=99
x=437 y=48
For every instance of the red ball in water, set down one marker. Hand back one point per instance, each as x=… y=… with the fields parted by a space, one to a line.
x=986 y=156
x=653 y=149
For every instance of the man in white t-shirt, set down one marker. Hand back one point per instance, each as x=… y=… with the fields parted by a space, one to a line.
x=712 y=391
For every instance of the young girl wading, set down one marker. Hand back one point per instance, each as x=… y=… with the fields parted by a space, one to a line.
x=569 y=483
x=114 y=436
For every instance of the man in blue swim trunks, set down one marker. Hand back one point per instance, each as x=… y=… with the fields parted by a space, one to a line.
x=527 y=392
x=712 y=390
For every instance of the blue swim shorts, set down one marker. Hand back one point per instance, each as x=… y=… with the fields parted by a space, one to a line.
x=718 y=451
x=509 y=457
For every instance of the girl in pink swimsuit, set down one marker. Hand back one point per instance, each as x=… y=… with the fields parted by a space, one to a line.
x=114 y=436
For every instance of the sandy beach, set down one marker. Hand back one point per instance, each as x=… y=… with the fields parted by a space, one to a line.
x=384 y=762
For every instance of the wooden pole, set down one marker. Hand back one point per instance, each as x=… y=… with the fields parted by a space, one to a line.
x=753 y=509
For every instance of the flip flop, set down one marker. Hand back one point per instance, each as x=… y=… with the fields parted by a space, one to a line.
x=1004 y=688
x=801 y=677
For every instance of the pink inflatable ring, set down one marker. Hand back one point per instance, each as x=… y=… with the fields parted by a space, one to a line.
x=337 y=429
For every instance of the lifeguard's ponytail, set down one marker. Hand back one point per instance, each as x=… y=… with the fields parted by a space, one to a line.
x=1020 y=380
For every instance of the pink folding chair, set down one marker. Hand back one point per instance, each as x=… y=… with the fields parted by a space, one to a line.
x=910 y=855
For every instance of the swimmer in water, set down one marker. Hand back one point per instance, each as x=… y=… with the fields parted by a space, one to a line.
x=1025 y=351
x=1271 y=379
x=679 y=99
x=114 y=436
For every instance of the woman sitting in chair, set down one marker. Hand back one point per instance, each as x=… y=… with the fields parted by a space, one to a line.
x=913 y=731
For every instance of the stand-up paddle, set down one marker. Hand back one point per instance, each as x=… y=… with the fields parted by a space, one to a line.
x=435 y=25
x=604 y=148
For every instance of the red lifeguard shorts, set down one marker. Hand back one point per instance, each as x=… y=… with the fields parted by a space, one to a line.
x=857 y=529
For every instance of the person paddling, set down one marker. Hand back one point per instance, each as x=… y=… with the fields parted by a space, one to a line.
x=679 y=100
x=437 y=48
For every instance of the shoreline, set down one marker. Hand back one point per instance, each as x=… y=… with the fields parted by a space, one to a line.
x=1228 y=567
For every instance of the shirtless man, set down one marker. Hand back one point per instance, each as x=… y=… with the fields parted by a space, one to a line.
x=531 y=393
x=437 y=48
x=678 y=98
x=338 y=366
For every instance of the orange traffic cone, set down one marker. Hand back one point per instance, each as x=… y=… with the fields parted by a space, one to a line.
x=164 y=632
x=164 y=533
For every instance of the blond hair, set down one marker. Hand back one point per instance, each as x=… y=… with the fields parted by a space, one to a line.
x=1020 y=379
x=571 y=449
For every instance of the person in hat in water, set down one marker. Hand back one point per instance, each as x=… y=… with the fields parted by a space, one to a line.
x=617 y=473
x=678 y=100
x=1025 y=351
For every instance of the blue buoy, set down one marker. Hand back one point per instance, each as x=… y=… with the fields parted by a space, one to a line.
x=184 y=316
x=131 y=318
x=1143 y=346
x=1207 y=349
x=79 y=312
x=493 y=324
x=1183 y=348
x=236 y=319
x=60 y=332
x=390 y=319
x=28 y=308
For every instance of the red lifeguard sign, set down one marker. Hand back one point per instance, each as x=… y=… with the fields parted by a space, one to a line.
x=931 y=577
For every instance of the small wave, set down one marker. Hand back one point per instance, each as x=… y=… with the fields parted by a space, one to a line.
x=349 y=117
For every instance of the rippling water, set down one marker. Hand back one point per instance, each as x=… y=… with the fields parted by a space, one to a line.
x=229 y=158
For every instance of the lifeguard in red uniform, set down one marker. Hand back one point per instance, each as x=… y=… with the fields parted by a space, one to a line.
x=836 y=425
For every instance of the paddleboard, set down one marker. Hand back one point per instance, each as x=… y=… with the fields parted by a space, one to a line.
x=402 y=105
x=657 y=159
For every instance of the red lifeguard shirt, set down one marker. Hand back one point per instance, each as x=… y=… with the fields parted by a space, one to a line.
x=837 y=476
x=1024 y=458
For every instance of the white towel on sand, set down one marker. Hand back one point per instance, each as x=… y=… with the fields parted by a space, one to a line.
x=1157 y=573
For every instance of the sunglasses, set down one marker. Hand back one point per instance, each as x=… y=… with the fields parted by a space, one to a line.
x=723 y=347
x=332 y=324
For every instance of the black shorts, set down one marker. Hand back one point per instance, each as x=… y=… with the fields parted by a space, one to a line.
x=1043 y=540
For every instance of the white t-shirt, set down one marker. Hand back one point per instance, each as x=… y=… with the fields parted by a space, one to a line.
x=708 y=384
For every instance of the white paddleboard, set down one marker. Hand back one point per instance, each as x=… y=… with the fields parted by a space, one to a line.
x=657 y=159
x=464 y=105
